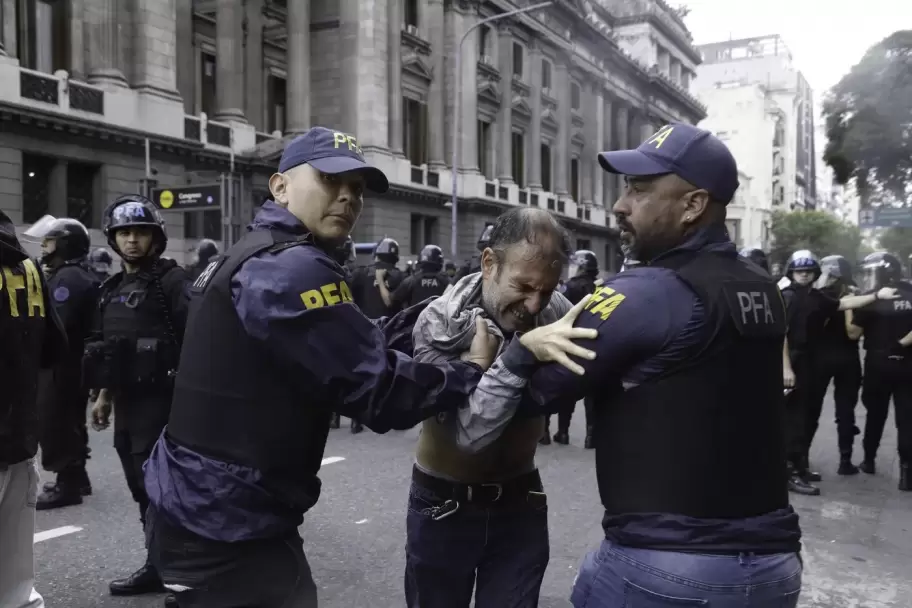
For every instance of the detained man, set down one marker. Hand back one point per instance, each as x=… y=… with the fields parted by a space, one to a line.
x=477 y=513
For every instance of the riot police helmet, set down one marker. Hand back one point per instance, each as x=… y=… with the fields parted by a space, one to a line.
x=206 y=249
x=755 y=255
x=583 y=261
x=387 y=251
x=837 y=267
x=70 y=239
x=131 y=211
x=101 y=260
x=431 y=258
x=802 y=260
x=881 y=269
x=484 y=241
x=345 y=253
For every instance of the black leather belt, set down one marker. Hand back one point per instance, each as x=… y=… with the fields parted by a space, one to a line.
x=511 y=490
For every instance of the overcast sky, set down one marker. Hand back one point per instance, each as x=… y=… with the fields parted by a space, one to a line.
x=826 y=39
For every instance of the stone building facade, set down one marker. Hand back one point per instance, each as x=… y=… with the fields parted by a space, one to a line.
x=209 y=88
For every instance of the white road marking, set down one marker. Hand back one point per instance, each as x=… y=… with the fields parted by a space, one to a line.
x=361 y=521
x=331 y=460
x=55 y=532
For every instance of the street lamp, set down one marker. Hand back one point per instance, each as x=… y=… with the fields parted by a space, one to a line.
x=458 y=110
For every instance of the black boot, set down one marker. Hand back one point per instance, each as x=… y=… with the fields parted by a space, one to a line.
x=799 y=485
x=545 y=439
x=845 y=464
x=868 y=465
x=562 y=437
x=807 y=474
x=356 y=427
x=905 y=478
x=334 y=421
x=171 y=601
x=589 y=443
x=65 y=492
x=82 y=478
x=144 y=580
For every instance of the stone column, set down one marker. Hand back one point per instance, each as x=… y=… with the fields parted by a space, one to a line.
x=598 y=187
x=646 y=129
x=436 y=107
x=608 y=181
x=186 y=56
x=588 y=162
x=349 y=66
x=229 y=60
x=104 y=20
x=2 y=29
x=394 y=17
x=465 y=17
x=622 y=119
x=253 y=65
x=505 y=115
x=57 y=189
x=535 y=136
x=8 y=27
x=298 y=61
x=562 y=164
x=77 y=39
x=154 y=47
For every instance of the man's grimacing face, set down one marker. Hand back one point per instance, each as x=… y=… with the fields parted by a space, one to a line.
x=655 y=213
x=329 y=205
x=516 y=290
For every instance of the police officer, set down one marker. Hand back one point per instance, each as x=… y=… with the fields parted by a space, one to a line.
x=428 y=281
x=807 y=309
x=373 y=286
x=584 y=271
x=74 y=295
x=132 y=356
x=344 y=255
x=473 y=264
x=100 y=262
x=834 y=356
x=755 y=255
x=270 y=360
x=887 y=327
x=32 y=339
x=450 y=269
x=206 y=249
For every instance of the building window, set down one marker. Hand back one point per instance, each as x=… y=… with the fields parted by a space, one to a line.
x=546 y=74
x=36 y=179
x=203 y=224
x=44 y=40
x=575 y=96
x=484 y=45
x=207 y=84
x=411 y=13
x=484 y=148
x=583 y=244
x=546 y=167
x=423 y=232
x=276 y=95
x=574 y=179
x=518 y=150
x=517 y=60
x=414 y=126
x=81 y=192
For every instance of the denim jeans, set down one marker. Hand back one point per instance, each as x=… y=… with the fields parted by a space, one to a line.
x=502 y=551
x=623 y=577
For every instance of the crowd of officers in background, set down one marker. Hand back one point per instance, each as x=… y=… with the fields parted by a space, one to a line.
x=125 y=329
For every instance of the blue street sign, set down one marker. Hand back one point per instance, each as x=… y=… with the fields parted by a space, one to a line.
x=885 y=217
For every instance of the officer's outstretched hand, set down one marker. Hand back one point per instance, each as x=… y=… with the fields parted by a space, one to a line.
x=484 y=346
x=553 y=342
x=101 y=414
x=887 y=293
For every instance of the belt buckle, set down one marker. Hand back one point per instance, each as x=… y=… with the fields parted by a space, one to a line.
x=498 y=486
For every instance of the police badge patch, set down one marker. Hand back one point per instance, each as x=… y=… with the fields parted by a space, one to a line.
x=61 y=294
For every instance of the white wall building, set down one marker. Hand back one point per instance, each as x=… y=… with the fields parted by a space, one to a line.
x=762 y=107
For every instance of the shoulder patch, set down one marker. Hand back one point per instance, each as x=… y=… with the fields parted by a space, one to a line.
x=603 y=301
x=206 y=275
x=61 y=294
x=755 y=308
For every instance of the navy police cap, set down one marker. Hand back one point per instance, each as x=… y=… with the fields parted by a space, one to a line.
x=332 y=152
x=694 y=155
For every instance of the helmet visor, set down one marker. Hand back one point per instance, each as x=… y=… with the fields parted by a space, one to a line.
x=40 y=229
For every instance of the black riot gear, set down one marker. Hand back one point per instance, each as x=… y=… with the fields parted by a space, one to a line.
x=344 y=254
x=881 y=269
x=837 y=267
x=100 y=261
x=803 y=259
x=134 y=210
x=431 y=258
x=72 y=240
x=206 y=250
x=585 y=262
x=387 y=252
x=755 y=255
x=484 y=241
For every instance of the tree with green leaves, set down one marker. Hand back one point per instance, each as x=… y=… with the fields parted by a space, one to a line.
x=897 y=241
x=815 y=230
x=869 y=123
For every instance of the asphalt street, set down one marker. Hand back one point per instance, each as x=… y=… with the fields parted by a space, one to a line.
x=858 y=534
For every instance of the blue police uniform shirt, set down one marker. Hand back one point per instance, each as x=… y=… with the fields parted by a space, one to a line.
x=648 y=321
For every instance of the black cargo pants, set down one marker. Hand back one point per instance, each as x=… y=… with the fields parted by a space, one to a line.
x=884 y=378
x=843 y=367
